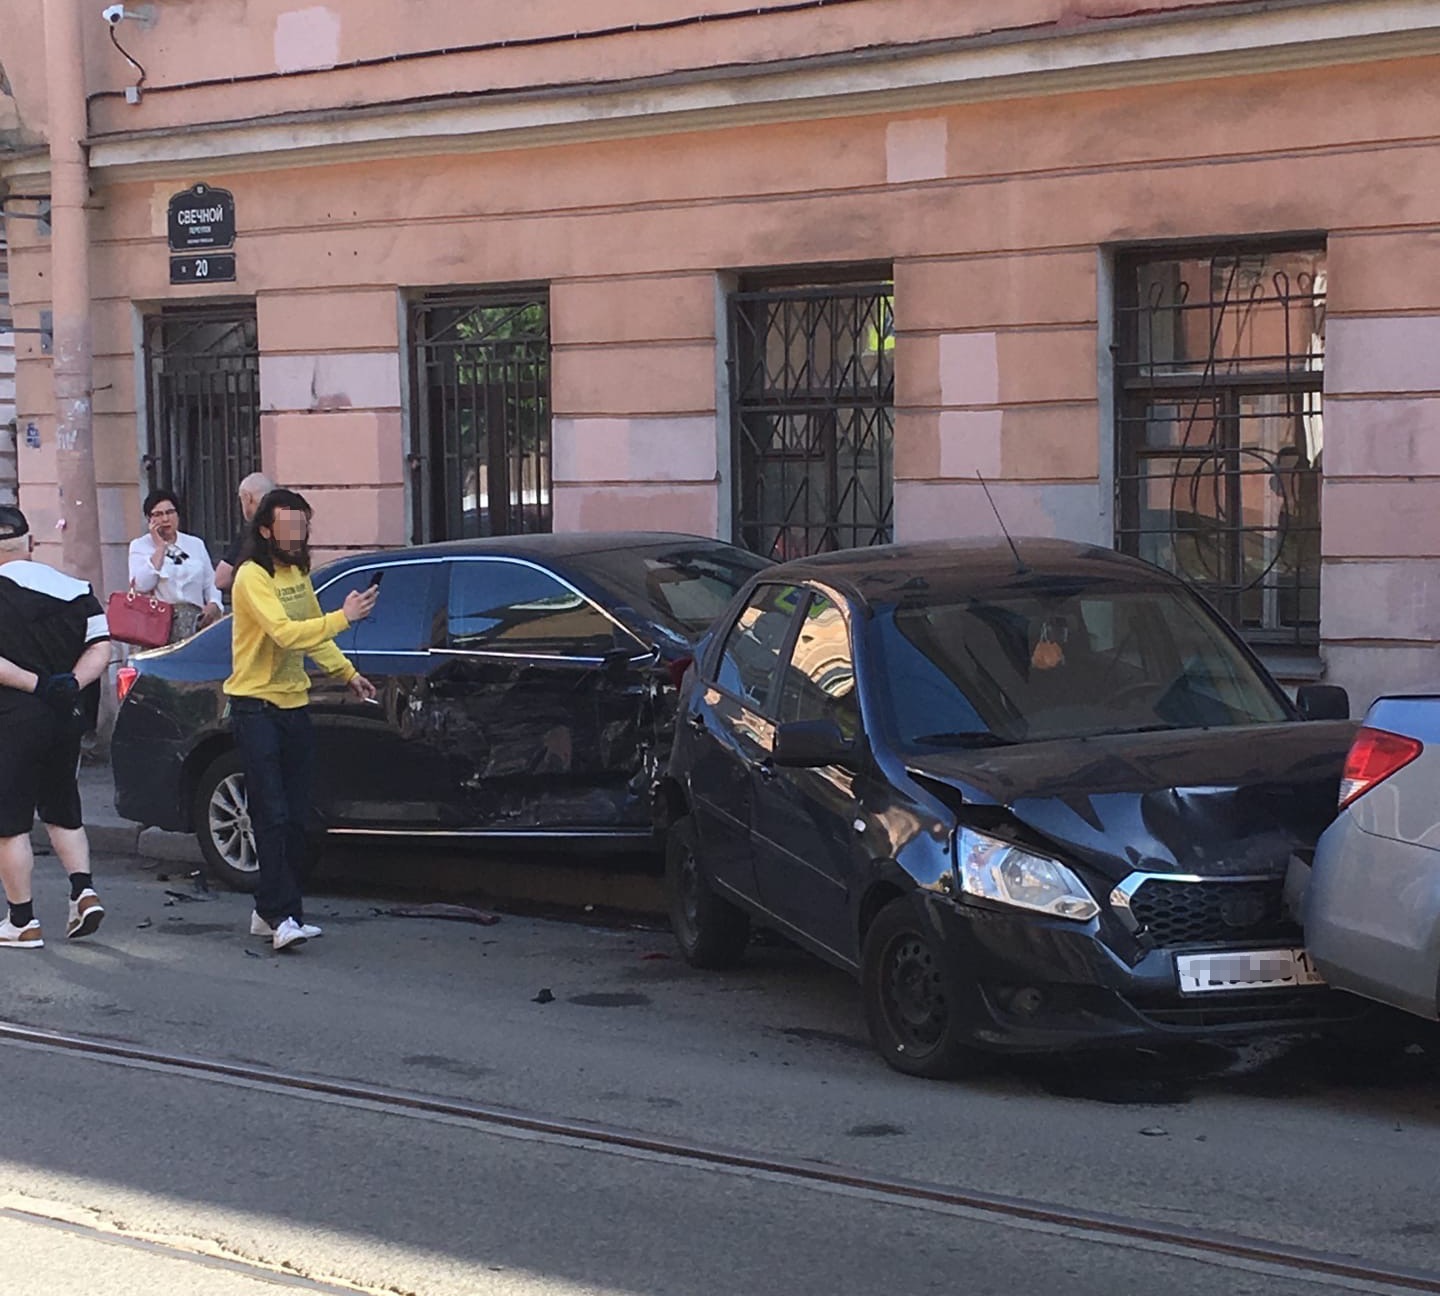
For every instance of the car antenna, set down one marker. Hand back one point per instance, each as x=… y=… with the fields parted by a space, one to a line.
x=1020 y=567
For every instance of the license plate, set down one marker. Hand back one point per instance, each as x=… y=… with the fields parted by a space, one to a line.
x=1271 y=969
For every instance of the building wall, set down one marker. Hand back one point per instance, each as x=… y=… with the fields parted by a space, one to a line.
x=8 y=465
x=999 y=215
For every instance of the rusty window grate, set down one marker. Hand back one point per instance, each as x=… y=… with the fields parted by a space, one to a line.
x=481 y=452
x=203 y=413
x=1219 y=367
x=812 y=415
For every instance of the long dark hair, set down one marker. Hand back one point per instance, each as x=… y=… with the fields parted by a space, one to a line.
x=259 y=548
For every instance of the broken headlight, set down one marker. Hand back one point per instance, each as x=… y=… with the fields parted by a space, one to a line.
x=1000 y=871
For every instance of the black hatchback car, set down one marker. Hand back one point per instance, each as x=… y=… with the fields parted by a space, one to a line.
x=1035 y=799
x=526 y=690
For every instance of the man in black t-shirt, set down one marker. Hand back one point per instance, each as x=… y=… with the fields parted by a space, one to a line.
x=54 y=647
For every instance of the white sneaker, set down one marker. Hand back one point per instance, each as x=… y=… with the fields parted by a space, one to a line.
x=86 y=914
x=288 y=935
x=259 y=927
x=27 y=937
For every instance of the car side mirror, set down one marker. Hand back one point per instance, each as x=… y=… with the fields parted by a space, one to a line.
x=1323 y=702
x=811 y=744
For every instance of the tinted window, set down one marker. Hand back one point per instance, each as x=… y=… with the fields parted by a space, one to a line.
x=1063 y=663
x=750 y=660
x=683 y=586
x=820 y=680
x=505 y=606
x=404 y=616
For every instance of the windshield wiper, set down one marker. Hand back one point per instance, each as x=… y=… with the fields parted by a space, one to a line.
x=1130 y=729
x=963 y=740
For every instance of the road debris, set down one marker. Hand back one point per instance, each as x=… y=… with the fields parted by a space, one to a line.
x=544 y=996
x=452 y=912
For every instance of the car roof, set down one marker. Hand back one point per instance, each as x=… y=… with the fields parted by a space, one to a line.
x=545 y=547
x=883 y=574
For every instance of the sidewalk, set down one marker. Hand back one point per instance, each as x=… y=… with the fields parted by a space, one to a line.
x=112 y=835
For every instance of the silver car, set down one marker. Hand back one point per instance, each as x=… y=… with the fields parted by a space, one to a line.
x=1372 y=906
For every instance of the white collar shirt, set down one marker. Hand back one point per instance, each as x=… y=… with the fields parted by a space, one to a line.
x=191 y=580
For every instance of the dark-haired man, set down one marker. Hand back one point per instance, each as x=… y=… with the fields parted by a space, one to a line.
x=54 y=647
x=278 y=623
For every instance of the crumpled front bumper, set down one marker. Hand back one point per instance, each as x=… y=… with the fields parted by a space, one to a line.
x=1035 y=984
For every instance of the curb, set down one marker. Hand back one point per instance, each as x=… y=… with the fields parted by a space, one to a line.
x=176 y=848
x=131 y=840
x=105 y=839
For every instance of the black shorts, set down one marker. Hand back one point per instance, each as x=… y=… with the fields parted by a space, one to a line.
x=39 y=767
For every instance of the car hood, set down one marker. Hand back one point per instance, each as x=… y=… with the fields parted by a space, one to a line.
x=1211 y=803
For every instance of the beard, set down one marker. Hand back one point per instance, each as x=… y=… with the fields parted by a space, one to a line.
x=298 y=556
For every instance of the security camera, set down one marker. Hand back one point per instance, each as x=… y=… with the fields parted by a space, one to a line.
x=115 y=14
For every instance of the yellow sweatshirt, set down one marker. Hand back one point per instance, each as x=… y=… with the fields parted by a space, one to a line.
x=278 y=623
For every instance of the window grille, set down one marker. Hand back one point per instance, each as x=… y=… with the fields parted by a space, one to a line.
x=481 y=461
x=203 y=413
x=1219 y=364
x=812 y=393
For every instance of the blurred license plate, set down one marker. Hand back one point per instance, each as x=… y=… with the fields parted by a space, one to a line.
x=1269 y=969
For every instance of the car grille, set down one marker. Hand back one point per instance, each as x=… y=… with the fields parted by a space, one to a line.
x=1206 y=913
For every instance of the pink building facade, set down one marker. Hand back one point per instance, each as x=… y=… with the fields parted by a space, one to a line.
x=793 y=274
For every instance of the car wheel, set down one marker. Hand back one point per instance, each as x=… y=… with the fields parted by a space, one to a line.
x=911 y=992
x=711 y=932
x=222 y=823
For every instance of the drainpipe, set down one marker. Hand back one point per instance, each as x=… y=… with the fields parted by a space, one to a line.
x=71 y=356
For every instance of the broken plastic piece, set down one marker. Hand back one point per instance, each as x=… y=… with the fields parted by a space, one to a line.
x=455 y=913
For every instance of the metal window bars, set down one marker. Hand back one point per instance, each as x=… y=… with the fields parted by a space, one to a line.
x=481 y=458
x=1219 y=377
x=203 y=413
x=812 y=413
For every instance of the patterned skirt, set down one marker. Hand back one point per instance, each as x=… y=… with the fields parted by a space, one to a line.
x=186 y=621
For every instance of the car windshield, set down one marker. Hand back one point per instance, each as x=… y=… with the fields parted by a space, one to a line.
x=1024 y=666
x=682 y=586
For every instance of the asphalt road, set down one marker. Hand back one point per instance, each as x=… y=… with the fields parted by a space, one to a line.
x=116 y=1177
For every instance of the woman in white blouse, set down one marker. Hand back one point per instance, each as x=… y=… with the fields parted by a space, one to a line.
x=175 y=567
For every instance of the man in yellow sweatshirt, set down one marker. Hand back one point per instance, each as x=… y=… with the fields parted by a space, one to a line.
x=278 y=623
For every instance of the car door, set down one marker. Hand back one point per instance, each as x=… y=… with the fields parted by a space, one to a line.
x=536 y=701
x=373 y=763
x=809 y=823
x=731 y=732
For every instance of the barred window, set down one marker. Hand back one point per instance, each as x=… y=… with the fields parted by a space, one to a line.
x=1219 y=367
x=813 y=391
x=203 y=412
x=480 y=463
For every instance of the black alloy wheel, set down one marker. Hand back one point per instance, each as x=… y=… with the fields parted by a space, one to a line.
x=711 y=932
x=911 y=993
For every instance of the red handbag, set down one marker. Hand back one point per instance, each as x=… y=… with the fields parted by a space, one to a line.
x=139 y=619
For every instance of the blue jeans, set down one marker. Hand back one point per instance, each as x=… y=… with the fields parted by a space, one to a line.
x=277 y=750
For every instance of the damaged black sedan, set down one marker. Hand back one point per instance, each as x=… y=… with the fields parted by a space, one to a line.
x=526 y=692
x=1034 y=798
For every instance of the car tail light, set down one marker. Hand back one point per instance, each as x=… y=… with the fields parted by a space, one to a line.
x=677 y=669
x=1374 y=756
x=125 y=679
